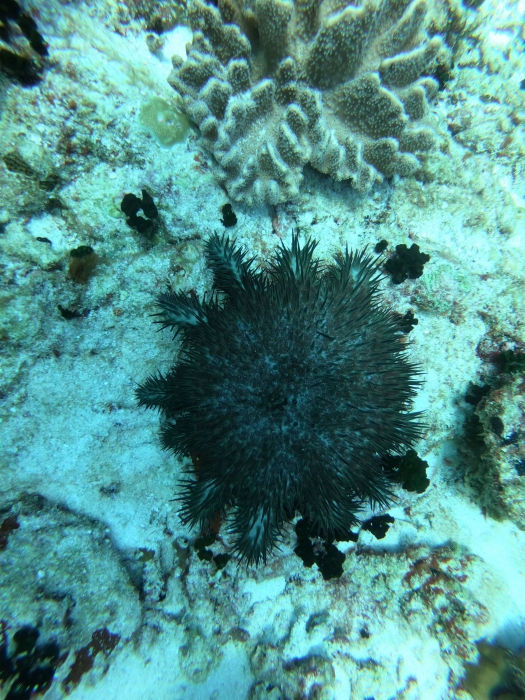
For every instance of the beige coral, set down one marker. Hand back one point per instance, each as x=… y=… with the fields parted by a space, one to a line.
x=274 y=85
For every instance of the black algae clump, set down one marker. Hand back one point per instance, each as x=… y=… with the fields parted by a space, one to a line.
x=475 y=393
x=131 y=205
x=496 y=425
x=19 y=64
x=410 y=471
x=70 y=314
x=229 y=217
x=379 y=525
x=148 y=206
x=19 y=68
x=30 y=669
x=292 y=385
x=10 y=10
x=327 y=557
x=407 y=322
x=406 y=263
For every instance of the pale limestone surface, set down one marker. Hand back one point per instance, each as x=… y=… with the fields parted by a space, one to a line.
x=71 y=431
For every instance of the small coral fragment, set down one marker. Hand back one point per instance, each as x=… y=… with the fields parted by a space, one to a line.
x=157 y=15
x=82 y=264
x=167 y=124
x=498 y=674
x=47 y=181
x=274 y=85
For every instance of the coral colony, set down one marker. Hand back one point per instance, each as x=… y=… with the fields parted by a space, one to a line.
x=291 y=389
x=266 y=84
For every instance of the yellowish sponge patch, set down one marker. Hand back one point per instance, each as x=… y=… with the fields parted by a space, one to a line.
x=164 y=122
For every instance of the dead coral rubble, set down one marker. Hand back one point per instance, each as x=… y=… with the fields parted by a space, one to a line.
x=274 y=85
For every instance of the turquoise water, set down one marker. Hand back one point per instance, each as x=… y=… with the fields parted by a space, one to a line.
x=104 y=592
